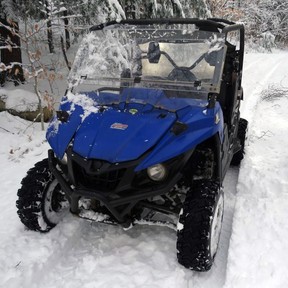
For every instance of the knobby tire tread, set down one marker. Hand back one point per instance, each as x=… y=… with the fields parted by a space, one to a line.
x=30 y=197
x=193 y=241
x=238 y=156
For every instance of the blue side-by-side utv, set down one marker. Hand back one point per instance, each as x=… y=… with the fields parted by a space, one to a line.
x=145 y=133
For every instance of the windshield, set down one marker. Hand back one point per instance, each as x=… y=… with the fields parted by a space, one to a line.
x=178 y=59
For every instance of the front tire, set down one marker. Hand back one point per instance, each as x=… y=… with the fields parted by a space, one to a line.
x=41 y=203
x=199 y=225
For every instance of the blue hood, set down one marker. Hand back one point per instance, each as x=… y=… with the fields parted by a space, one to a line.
x=130 y=124
x=120 y=136
x=124 y=131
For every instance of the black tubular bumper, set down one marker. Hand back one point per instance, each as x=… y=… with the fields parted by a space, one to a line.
x=119 y=203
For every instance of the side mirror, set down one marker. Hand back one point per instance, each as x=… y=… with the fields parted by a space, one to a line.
x=154 y=52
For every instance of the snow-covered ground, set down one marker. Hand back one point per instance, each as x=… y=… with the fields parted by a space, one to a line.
x=258 y=247
x=253 y=248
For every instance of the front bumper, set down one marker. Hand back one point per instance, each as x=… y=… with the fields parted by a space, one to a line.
x=116 y=186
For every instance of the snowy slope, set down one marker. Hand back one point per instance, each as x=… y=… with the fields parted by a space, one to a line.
x=77 y=253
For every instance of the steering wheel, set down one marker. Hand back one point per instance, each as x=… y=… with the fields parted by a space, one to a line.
x=182 y=73
x=178 y=73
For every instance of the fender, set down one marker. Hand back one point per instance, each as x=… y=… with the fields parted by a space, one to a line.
x=204 y=124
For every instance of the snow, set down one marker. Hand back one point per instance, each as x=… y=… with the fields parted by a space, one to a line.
x=92 y=57
x=258 y=246
x=19 y=100
x=88 y=105
x=77 y=253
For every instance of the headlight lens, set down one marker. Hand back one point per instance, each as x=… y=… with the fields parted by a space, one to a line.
x=157 y=172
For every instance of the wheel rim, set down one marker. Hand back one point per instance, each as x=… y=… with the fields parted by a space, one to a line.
x=55 y=204
x=216 y=225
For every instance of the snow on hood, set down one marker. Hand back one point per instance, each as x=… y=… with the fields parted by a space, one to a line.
x=88 y=104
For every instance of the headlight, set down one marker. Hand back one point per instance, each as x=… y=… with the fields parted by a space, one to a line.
x=157 y=172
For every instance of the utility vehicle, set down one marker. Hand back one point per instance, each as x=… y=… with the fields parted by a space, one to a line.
x=145 y=133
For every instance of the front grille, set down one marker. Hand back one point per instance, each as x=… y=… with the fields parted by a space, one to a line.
x=106 y=181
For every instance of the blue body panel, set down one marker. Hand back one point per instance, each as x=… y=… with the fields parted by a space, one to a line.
x=201 y=126
x=60 y=134
x=125 y=130
x=120 y=136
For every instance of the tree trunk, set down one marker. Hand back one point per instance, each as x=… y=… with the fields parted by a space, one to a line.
x=50 y=37
x=49 y=30
x=67 y=34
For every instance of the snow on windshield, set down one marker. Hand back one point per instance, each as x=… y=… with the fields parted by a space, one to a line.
x=99 y=55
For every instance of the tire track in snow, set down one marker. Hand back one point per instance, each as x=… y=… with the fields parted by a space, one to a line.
x=250 y=65
x=253 y=84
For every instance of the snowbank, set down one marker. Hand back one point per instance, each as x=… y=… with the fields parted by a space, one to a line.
x=19 y=99
x=23 y=103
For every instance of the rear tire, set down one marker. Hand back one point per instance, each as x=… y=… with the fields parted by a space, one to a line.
x=199 y=225
x=41 y=203
x=241 y=135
